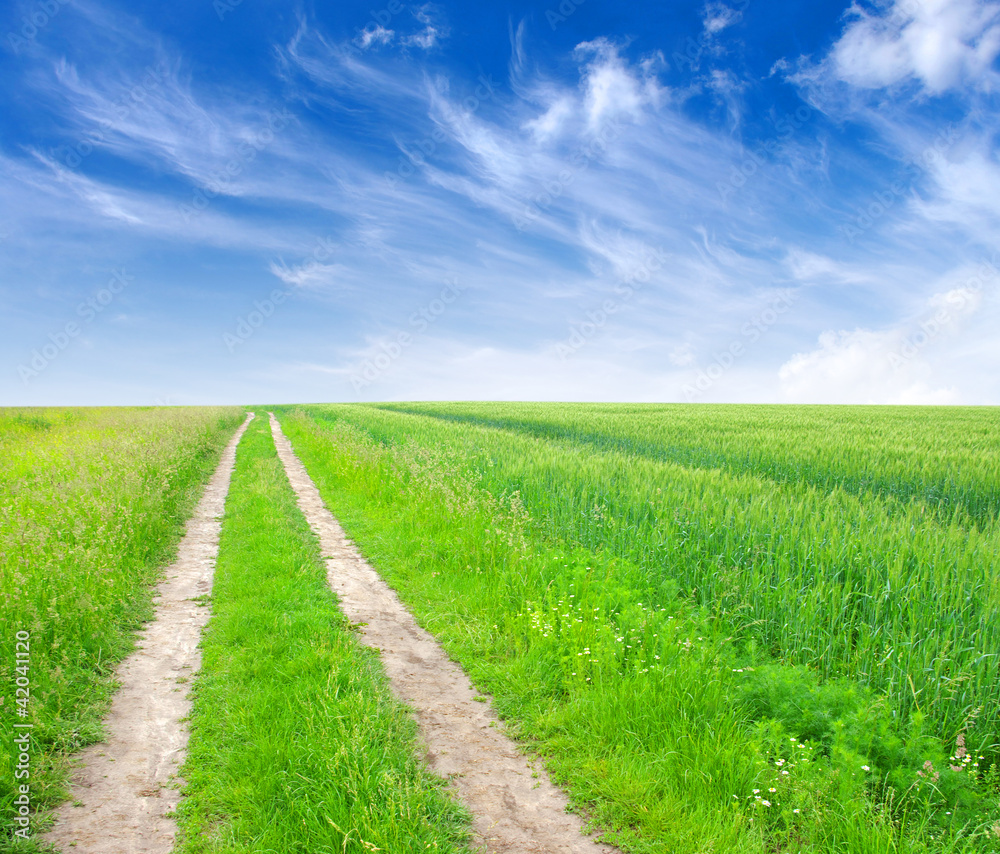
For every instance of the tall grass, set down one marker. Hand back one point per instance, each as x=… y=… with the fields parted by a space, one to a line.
x=946 y=457
x=93 y=504
x=867 y=630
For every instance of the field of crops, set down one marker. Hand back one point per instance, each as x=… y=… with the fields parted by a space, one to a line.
x=810 y=523
x=678 y=604
x=725 y=628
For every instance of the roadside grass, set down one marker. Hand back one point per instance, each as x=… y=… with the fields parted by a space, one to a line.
x=671 y=728
x=93 y=505
x=297 y=744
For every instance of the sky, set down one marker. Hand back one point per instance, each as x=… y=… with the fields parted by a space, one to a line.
x=238 y=201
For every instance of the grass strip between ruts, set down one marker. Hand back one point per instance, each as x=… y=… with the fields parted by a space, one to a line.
x=297 y=743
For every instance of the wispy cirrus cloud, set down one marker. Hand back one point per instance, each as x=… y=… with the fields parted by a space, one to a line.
x=718 y=16
x=540 y=189
x=377 y=35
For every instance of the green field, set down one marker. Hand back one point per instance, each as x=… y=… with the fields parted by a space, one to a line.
x=726 y=628
x=675 y=603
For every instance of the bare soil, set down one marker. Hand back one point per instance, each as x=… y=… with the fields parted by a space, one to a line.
x=123 y=789
x=516 y=807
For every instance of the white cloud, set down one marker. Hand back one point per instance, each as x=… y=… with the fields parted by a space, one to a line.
x=489 y=144
x=550 y=124
x=625 y=255
x=717 y=16
x=719 y=253
x=342 y=66
x=378 y=35
x=612 y=89
x=311 y=274
x=426 y=39
x=156 y=119
x=728 y=87
x=433 y=30
x=967 y=193
x=905 y=363
x=943 y=44
x=782 y=66
x=806 y=266
x=847 y=367
x=810 y=268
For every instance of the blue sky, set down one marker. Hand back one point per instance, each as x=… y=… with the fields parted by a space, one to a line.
x=215 y=202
